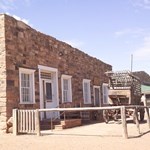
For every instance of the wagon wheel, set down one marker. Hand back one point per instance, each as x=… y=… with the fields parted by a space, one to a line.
x=106 y=116
x=134 y=118
x=142 y=112
x=140 y=116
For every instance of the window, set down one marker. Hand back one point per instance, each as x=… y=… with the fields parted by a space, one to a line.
x=48 y=90
x=86 y=91
x=66 y=88
x=105 y=93
x=27 y=92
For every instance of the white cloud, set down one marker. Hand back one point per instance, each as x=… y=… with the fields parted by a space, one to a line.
x=145 y=4
x=75 y=43
x=27 y=2
x=136 y=32
x=143 y=52
x=6 y=5
x=122 y=32
x=20 y=19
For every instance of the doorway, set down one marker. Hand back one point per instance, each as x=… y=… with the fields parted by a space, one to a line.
x=97 y=96
x=48 y=84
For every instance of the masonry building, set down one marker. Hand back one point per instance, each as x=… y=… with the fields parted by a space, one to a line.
x=39 y=71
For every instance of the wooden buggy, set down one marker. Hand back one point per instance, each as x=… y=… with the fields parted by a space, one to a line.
x=124 y=89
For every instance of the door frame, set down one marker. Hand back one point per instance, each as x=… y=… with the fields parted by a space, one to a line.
x=97 y=87
x=54 y=72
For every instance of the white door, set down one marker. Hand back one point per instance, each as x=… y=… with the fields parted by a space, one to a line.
x=48 y=97
x=49 y=100
x=48 y=85
x=97 y=96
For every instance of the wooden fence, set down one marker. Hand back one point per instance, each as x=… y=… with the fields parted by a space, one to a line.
x=28 y=121
x=24 y=121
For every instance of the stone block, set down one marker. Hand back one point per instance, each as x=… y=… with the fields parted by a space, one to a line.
x=10 y=122
x=69 y=123
x=3 y=127
x=2 y=109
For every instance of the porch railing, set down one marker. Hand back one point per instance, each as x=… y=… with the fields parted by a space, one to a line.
x=24 y=121
x=28 y=121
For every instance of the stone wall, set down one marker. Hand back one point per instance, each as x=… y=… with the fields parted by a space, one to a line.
x=2 y=75
x=28 y=48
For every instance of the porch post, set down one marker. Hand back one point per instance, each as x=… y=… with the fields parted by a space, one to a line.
x=148 y=117
x=15 y=120
x=37 y=122
x=124 y=123
x=136 y=119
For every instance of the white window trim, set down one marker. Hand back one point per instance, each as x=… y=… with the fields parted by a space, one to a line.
x=68 y=77
x=31 y=72
x=89 y=93
x=104 y=85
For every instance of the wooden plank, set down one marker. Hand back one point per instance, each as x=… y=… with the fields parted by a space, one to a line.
x=79 y=109
x=33 y=120
x=18 y=120
x=89 y=108
x=124 y=123
x=29 y=121
x=148 y=117
x=136 y=119
x=26 y=121
x=21 y=120
x=15 y=124
x=37 y=122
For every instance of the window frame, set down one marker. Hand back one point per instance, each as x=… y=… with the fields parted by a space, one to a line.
x=105 y=94
x=88 y=101
x=29 y=72
x=69 y=93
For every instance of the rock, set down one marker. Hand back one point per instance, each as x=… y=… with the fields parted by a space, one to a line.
x=10 y=122
x=10 y=125
x=10 y=130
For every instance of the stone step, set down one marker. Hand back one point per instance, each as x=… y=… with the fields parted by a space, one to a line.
x=59 y=127
x=69 y=123
x=46 y=124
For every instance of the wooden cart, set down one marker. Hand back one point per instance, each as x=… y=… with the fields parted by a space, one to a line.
x=124 y=89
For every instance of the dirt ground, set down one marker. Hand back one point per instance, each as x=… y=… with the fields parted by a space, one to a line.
x=88 y=137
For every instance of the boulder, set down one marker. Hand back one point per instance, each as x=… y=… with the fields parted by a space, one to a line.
x=9 y=125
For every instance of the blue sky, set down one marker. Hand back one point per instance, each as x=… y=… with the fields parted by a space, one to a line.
x=110 y=30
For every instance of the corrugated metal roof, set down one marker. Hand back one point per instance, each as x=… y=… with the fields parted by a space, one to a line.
x=145 y=89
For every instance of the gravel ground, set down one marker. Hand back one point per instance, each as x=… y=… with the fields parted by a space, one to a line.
x=88 y=137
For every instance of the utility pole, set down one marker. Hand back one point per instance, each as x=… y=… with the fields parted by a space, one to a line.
x=131 y=62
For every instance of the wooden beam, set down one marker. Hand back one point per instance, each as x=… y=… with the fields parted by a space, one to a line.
x=37 y=122
x=136 y=119
x=15 y=121
x=124 y=123
x=148 y=117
